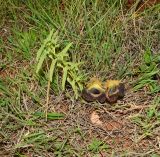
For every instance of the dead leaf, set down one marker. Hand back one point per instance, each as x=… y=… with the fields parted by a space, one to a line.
x=95 y=119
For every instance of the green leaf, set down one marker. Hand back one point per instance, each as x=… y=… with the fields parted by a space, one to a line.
x=143 y=67
x=97 y=145
x=149 y=75
x=154 y=88
x=139 y=86
x=94 y=146
x=148 y=57
x=40 y=51
x=64 y=51
x=80 y=85
x=156 y=59
x=53 y=51
x=55 y=37
x=51 y=70
x=151 y=112
x=64 y=78
x=42 y=58
x=73 y=85
x=50 y=115
x=4 y=90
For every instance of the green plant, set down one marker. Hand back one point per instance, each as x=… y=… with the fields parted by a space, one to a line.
x=23 y=42
x=150 y=120
x=39 y=139
x=59 y=63
x=97 y=145
x=149 y=73
x=51 y=116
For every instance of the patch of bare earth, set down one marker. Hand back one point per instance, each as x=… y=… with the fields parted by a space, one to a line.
x=116 y=129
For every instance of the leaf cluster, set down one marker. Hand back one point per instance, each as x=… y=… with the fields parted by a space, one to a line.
x=60 y=64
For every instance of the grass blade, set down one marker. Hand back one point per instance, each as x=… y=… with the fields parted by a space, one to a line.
x=51 y=70
x=40 y=51
x=42 y=58
x=65 y=49
x=50 y=115
x=65 y=71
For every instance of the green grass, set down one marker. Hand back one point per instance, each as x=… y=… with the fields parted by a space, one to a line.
x=149 y=72
x=110 y=42
x=149 y=120
x=96 y=146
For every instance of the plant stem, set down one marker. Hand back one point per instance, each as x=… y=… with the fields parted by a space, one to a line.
x=47 y=99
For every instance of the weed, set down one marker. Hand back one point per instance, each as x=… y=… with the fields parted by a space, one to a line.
x=60 y=65
x=51 y=116
x=23 y=42
x=97 y=146
x=149 y=121
x=149 y=73
x=38 y=139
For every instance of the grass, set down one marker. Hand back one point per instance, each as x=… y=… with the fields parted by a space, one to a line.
x=149 y=71
x=113 y=42
x=149 y=120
